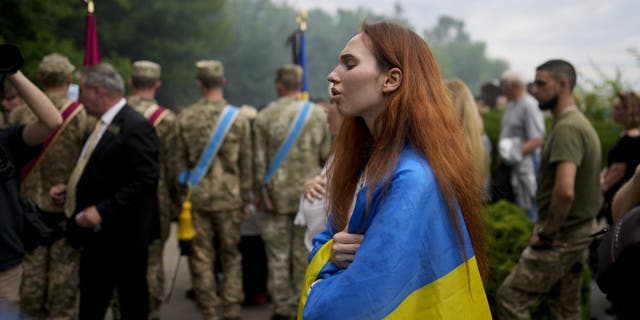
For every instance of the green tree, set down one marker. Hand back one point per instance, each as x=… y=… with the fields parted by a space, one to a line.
x=459 y=56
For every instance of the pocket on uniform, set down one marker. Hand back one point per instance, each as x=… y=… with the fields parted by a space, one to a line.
x=537 y=270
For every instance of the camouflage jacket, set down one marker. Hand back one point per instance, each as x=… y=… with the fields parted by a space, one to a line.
x=228 y=180
x=305 y=158
x=167 y=131
x=62 y=155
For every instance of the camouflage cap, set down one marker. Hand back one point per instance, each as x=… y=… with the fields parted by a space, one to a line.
x=146 y=69
x=206 y=69
x=290 y=73
x=55 y=65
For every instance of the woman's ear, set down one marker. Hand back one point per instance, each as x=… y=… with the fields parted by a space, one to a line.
x=392 y=80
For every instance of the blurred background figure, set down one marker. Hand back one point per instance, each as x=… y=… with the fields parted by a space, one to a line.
x=312 y=212
x=624 y=155
x=144 y=84
x=521 y=135
x=473 y=129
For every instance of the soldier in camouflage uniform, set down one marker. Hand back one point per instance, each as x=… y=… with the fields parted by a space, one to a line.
x=284 y=242
x=50 y=281
x=144 y=82
x=220 y=197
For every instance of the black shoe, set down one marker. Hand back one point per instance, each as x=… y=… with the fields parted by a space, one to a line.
x=276 y=316
x=191 y=294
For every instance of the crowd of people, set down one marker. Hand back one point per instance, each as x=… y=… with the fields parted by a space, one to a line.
x=369 y=206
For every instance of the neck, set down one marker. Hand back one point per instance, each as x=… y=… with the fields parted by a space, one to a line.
x=289 y=94
x=519 y=95
x=148 y=94
x=565 y=102
x=632 y=132
x=108 y=104
x=213 y=94
x=60 y=89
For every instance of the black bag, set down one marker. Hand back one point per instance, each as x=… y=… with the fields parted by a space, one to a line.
x=501 y=187
x=619 y=253
x=39 y=228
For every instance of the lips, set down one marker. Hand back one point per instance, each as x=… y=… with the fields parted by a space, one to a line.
x=334 y=92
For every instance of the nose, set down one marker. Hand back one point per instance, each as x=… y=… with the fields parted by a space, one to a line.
x=333 y=76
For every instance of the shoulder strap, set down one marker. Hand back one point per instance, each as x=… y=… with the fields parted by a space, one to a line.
x=285 y=147
x=192 y=177
x=155 y=114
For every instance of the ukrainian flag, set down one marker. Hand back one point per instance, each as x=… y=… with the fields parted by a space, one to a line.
x=410 y=264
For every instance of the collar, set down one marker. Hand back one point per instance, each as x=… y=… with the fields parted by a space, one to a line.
x=108 y=116
x=568 y=109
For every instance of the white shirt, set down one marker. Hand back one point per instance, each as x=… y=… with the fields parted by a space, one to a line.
x=106 y=120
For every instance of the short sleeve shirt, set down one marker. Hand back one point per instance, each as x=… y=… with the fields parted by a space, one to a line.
x=522 y=119
x=572 y=139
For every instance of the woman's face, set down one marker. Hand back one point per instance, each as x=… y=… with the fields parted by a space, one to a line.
x=11 y=100
x=357 y=82
x=618 y=110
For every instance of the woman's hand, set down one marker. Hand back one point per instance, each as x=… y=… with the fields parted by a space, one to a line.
x=315 y=188
x=344 y=248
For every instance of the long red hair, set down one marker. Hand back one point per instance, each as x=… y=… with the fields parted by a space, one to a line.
x=418 y=113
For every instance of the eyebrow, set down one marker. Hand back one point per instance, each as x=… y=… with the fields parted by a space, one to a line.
x=345 y=56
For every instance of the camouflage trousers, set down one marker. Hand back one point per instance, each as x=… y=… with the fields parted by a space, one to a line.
x=226 y=226
x=555 y=273
x=286 y=260
x=49 y=288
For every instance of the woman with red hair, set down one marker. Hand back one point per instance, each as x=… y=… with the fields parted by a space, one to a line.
x=404 y=235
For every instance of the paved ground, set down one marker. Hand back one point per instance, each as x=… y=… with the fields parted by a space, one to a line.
x=180 y=308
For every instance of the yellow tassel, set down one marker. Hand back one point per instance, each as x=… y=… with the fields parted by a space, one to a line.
x=185 y=224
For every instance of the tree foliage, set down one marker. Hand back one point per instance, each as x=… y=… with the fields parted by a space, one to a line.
x=248 y=36
x=459 y=56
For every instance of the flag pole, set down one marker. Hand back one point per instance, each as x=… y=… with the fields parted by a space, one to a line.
x=301 y=19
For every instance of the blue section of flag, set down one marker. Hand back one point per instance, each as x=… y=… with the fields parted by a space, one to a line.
x=303 y=61
x=409 y=243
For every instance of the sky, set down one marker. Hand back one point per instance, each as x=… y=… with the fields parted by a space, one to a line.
x=526 y=33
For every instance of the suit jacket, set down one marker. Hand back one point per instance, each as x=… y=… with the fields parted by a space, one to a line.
x=120 y=179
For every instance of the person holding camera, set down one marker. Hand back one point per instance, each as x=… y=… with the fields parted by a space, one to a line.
x=18 y=144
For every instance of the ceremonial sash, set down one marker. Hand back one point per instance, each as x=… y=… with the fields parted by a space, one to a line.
x=155 y=114
x=285 y=147
x=192 y=177
x=68 y=113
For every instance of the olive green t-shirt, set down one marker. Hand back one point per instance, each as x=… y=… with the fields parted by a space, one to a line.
x=572 y=139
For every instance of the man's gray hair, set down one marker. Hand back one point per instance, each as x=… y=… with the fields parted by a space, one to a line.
x=515 y=77
x=103 y=75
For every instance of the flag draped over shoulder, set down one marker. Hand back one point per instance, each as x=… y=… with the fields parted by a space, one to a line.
x=91 y=49
x=410 y=264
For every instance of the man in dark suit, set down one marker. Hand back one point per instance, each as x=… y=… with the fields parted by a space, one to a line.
x=111 y=199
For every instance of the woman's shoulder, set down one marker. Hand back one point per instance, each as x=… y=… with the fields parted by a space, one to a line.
x=413 y=165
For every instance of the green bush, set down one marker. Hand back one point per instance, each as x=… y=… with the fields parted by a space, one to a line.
x=608 y=131
x=507 y=232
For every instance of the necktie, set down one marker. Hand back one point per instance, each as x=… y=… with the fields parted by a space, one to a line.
x=70 y=201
